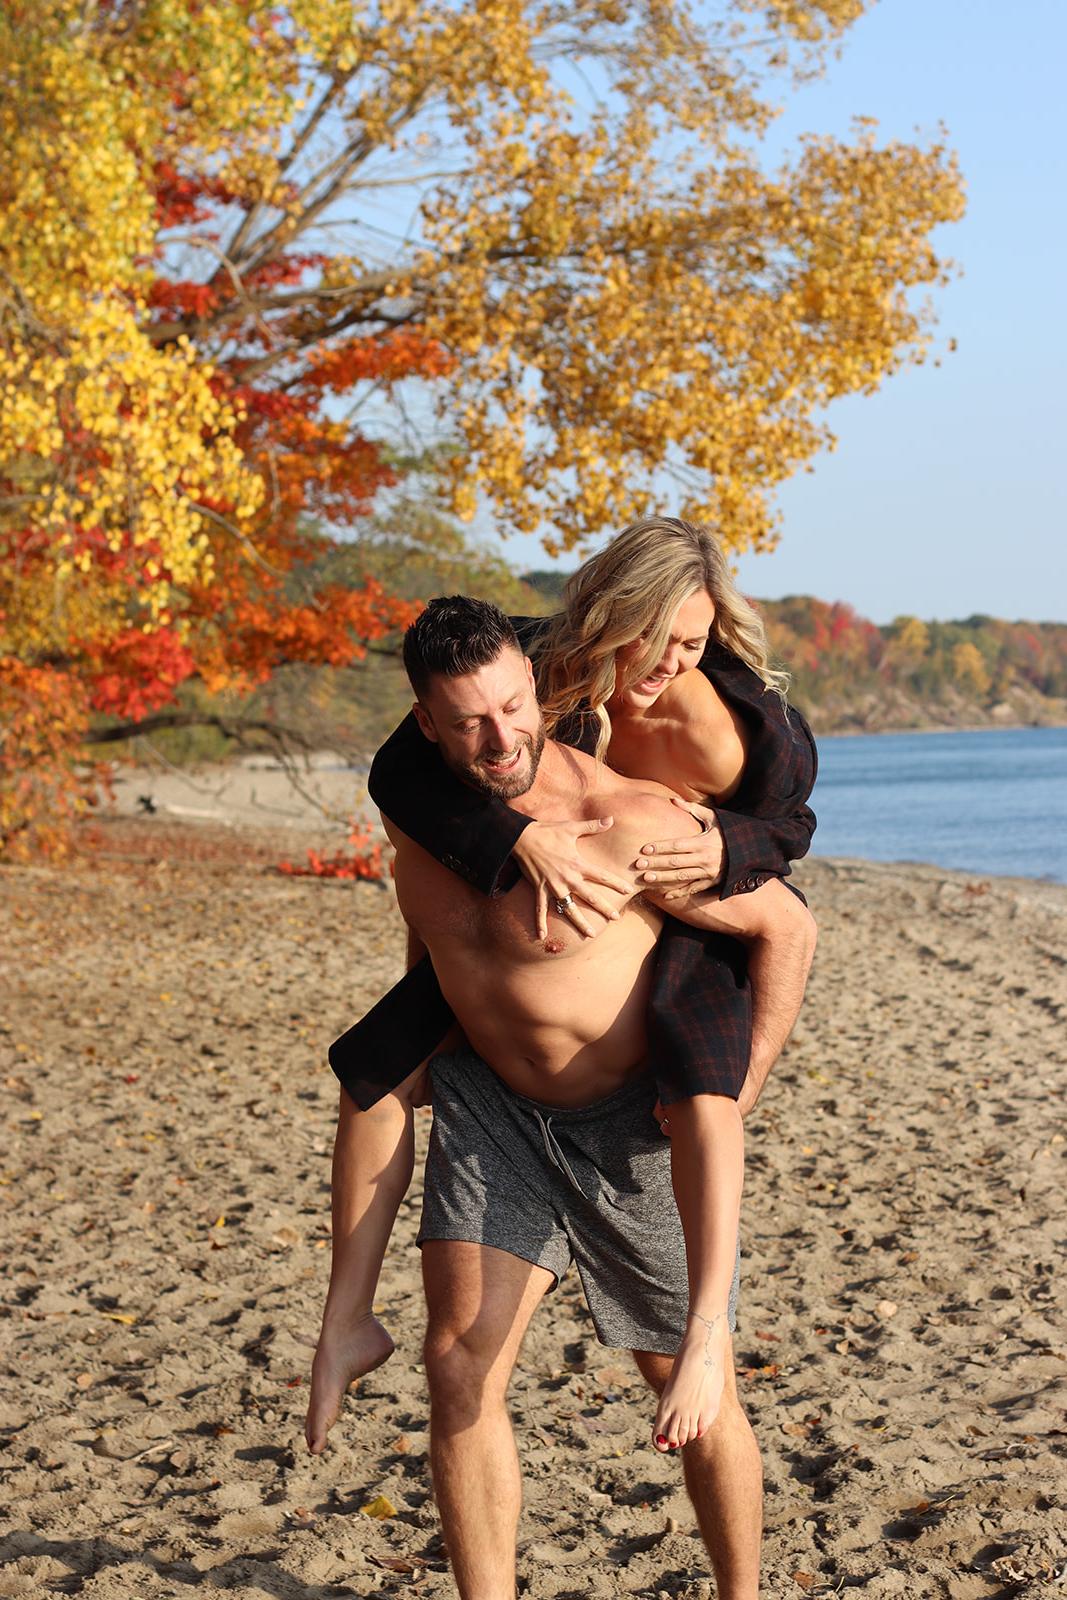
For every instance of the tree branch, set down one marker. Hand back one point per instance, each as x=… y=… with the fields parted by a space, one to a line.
x=232 y=728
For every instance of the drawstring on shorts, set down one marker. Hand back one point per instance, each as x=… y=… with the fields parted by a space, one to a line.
x=554 y=1151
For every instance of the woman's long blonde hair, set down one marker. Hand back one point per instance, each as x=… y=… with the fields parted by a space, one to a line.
x=631 y=591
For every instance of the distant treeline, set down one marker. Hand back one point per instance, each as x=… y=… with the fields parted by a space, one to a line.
x=846 y=669
x=848 y=672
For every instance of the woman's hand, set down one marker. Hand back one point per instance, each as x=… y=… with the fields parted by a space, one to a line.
x=685 y=866
x=547 y=853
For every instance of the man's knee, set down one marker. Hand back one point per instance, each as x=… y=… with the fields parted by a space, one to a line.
x=463 y=1368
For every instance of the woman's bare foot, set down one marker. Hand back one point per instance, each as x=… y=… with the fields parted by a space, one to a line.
x=690 y=1400
x=345 y=1352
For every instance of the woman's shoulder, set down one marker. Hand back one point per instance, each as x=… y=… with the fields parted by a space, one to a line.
x=694 y=702
x=709 y=737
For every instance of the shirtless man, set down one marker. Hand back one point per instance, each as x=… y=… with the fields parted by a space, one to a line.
x=544 y=1147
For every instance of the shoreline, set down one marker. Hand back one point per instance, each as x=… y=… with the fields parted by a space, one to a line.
x=1003 y=879
x=969 y=727
x=255 y=797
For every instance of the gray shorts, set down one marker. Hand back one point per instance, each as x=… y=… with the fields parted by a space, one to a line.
x=552 y=1185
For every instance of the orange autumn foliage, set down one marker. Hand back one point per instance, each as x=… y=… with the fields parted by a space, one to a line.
x=229 y=228
x=364 y=860
x=42 y=713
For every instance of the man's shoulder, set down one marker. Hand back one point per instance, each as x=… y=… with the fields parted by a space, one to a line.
x=643 y=811
x=638 y=805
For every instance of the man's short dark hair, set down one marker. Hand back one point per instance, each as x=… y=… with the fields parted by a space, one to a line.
x=454 y=636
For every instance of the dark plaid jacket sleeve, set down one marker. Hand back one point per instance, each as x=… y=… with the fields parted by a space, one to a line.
x=385 y=1046
x=470 y=833
x=700 y=1014
x=768 y=822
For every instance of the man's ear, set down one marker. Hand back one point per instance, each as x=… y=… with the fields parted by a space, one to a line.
x=425 y=722
x=530 y=675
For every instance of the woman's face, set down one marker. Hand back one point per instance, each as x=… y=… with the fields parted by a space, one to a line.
x=690 y=627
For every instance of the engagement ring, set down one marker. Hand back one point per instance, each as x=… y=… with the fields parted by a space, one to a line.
x=562 y=904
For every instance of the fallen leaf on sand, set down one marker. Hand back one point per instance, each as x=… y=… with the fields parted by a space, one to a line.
x=806 y=1580
x=613 y=1377
x=401 y=1563
x=380 y=1507
x=772 y=1338
x=401 y=1445
x=797 y=1429
x=121 y=1316
x=887 y=1309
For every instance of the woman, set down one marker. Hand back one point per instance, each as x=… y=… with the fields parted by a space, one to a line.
x=638 y=619
x=658 y=664
x=617 y=674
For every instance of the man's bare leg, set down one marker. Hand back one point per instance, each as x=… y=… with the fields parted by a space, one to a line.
x=724 y=1477
x=480 y=1301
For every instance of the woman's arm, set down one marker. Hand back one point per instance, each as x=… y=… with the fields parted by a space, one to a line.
x=477 y=836
x=469 y=832
x=767 y=823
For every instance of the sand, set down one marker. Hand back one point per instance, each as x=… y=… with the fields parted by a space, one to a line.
x=165 y=1181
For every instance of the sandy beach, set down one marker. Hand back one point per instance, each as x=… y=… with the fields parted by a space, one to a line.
x=165 y=1188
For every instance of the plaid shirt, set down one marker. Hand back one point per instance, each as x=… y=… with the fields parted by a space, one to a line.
x=700 y=1011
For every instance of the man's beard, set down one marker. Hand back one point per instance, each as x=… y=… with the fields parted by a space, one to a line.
x=505 y=785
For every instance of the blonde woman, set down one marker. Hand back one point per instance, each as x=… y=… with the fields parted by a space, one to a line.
x=616 y=672
x=658 y=665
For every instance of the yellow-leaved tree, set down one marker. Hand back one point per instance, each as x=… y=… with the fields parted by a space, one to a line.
x=237 y=235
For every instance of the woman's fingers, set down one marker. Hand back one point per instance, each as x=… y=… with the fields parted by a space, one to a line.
x=542 y=911
x=679 y=874
x=696 y=887
x=599 y=903
x=692 y=841
x=593 y=825
x=703 y=814
x=574 y=916
x=694 y=844
x=608 y=880
x=662 y=862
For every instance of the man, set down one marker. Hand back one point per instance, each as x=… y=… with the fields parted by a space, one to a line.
x=544 y=1147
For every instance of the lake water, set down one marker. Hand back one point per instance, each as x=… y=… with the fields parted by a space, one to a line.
x=991 y=802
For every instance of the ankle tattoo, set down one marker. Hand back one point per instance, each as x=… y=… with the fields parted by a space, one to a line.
x=710 y=1324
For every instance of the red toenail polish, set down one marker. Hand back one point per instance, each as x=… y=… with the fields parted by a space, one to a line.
x=661 y=1438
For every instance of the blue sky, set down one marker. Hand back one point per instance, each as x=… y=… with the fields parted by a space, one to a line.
x=945 y=496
